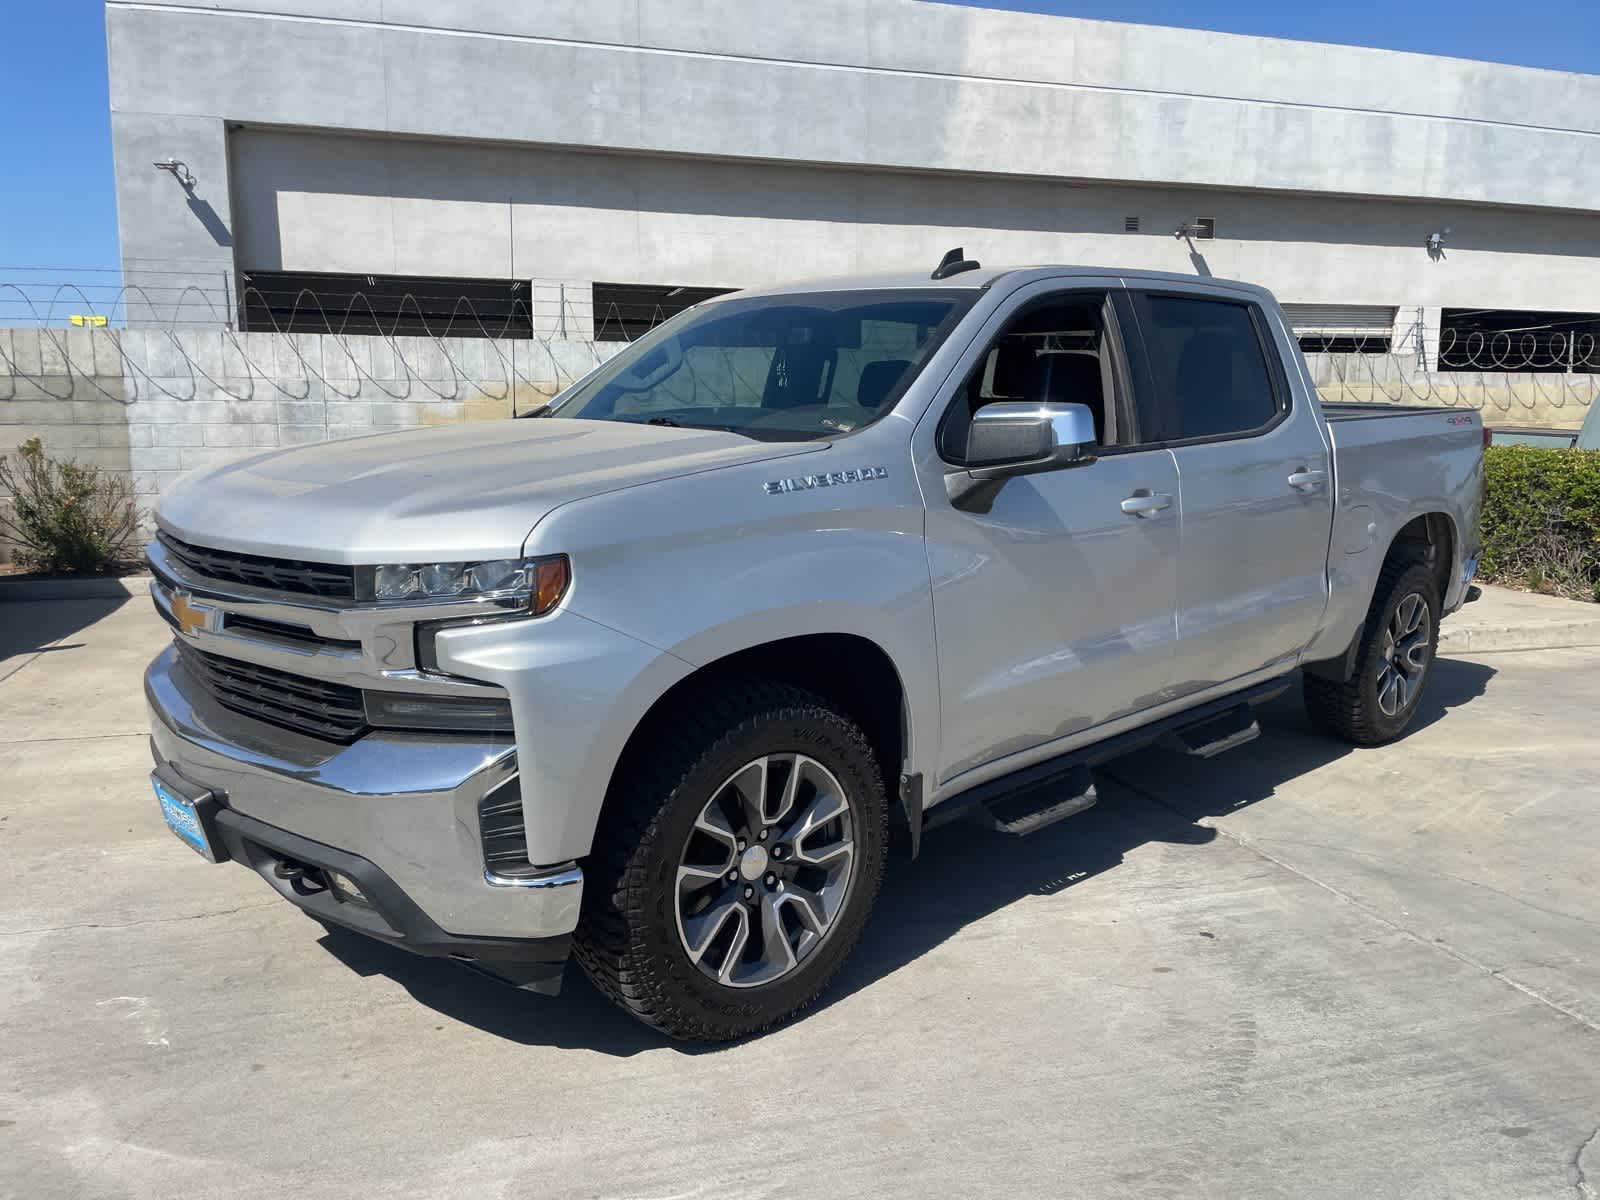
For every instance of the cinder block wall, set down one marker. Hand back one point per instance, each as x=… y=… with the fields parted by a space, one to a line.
x=1505 y=398
x=66 y=388
x=157 y=402
x=201 y=396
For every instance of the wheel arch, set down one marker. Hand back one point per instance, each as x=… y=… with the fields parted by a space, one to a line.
x=850 y=670
x=1428 y=537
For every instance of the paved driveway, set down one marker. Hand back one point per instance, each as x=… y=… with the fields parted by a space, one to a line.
x=1295 y=971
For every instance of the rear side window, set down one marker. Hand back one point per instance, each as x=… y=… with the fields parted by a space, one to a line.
x=1209 y=375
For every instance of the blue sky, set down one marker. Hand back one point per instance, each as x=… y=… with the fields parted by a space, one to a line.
x=56 y=203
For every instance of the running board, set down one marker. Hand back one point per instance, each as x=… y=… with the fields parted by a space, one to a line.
x=1048 y=772
x=1042 y=806
x=1217 y=735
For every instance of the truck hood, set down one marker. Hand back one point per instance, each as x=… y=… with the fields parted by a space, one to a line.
x=449 y=493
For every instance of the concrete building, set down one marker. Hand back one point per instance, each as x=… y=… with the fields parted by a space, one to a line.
x=655 y=145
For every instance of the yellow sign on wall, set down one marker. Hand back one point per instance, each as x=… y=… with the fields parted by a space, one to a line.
x=80 y=320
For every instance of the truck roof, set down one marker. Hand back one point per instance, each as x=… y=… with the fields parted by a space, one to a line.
x=982 y=277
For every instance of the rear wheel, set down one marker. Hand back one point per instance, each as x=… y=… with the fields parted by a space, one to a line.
x=1393 y=663
x=741 y=851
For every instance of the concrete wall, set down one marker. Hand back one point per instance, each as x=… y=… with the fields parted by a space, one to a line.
x=985 y=104
x=876 y=82
x=157 y=403
x=309 y=202
x=201 y=396
x=66 y=388
x=1504 y=398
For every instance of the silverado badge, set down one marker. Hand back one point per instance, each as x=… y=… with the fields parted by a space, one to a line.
x=777 y=487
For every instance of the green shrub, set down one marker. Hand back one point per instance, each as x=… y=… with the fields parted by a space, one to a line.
x=1541 y=520
x=65 y=517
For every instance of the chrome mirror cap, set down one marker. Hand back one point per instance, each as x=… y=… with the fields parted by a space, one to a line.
x=1019 y=438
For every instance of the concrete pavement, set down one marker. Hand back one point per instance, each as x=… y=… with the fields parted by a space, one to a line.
x=1298 y=970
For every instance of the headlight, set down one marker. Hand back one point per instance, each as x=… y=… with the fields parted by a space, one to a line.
x=536 y=584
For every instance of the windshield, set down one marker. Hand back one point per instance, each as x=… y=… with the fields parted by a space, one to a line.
x=796 y=366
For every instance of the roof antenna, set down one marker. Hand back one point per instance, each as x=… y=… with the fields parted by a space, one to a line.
x=953 y=263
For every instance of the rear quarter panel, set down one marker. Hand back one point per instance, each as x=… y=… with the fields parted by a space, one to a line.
x=1388 y=471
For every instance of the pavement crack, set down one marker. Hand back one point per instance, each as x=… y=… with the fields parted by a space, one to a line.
x=81 y=737
x=1411 y=935
x=206 y=916
x=1581 y=1175
x=1472 y=883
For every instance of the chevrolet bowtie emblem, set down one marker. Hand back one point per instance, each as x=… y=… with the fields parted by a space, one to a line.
x=189 y=615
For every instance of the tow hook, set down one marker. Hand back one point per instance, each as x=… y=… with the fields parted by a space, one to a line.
x=305 y=880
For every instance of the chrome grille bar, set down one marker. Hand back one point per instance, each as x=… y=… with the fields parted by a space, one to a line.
x=290 y=576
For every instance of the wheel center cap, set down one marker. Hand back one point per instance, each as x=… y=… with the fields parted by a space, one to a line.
x=753 y=863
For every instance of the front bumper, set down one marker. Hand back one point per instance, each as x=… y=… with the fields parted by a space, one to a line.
x=396 y=812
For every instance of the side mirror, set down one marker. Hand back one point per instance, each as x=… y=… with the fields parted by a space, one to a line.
x=1019 y=439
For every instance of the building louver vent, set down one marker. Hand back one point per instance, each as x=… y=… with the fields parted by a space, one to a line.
x=1342 y=328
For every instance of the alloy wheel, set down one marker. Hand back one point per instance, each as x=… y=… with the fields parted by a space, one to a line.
x=765 y=870
x=1407 y=643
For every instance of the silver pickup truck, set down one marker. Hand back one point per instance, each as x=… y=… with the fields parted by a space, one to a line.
x=653 y=676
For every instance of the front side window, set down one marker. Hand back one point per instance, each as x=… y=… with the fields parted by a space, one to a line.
x=792 y=367
x=1055 y=351
x=1209 y=373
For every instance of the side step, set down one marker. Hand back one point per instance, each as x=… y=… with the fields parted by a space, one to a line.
x=1215 y=736
x=1043 y=805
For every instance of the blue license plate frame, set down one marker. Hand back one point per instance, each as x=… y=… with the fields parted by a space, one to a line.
x=187 y=815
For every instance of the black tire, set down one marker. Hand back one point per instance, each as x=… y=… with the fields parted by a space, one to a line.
x=1350 y=710
x=627 y=940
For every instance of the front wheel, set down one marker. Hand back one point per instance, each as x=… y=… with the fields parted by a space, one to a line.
x=741 y=850
x=1393 y=663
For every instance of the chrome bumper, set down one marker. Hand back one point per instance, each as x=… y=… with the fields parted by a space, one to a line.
x=407 y=803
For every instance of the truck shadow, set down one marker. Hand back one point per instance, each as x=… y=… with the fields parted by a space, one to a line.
x=964 y=874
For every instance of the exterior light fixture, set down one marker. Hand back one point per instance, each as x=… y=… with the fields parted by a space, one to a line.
x=178 y=170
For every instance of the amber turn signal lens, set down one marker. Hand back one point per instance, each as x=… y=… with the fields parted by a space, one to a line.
x=550 y=579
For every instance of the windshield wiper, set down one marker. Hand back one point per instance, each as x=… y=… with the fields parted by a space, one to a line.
x=674 y=423
x=542 y=411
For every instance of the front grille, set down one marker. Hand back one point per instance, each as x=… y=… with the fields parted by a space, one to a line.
x=330 y=711
x=284 y=631
x=274 y=574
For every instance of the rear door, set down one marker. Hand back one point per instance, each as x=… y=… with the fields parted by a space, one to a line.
x=1254 y=480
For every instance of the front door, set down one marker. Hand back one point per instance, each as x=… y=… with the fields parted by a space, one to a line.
x=1053 y=593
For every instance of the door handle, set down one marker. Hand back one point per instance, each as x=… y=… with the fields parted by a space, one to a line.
x=1146 y=504
x=1308 y=481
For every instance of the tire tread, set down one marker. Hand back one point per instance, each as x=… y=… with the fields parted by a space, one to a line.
x=608 y=943
x=1339 y=707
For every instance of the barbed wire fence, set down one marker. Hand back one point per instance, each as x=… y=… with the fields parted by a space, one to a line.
x=1551 y=365
x=541 y=346
x=535 y=358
